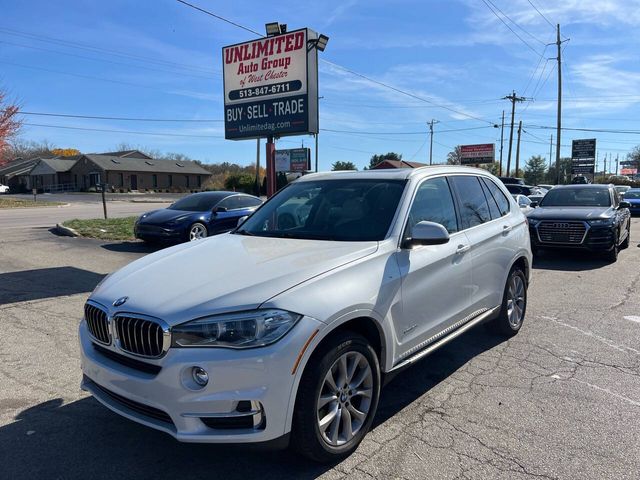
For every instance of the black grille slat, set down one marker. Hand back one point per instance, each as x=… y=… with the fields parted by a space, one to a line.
x=562 y=232
x=139 y=336
x=136 y=406
x=97 y=323
x=128 y=361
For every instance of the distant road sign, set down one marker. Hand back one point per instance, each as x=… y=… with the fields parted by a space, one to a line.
x=585 y=148
x=293 y=160
x=479 y=153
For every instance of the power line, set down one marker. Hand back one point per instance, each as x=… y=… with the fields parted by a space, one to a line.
x=597 y=130
x=114 y=62
x=345 y=69
x=541 y=14
x=131 y=119
x=399 y=133
x=512 y=30
x=108 y=130
x=516 y=24
x=83 y=46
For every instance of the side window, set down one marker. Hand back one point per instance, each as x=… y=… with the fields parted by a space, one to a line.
x=493 y=207
x=474 y=209
x=503 y=202
x=245 y=202
x=433 y=202
x=229 y=203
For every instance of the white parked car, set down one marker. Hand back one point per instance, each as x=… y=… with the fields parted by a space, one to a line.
x=277 y=332
x=4 y=188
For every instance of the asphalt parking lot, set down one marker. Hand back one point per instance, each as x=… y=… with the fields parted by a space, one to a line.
x=560 y=400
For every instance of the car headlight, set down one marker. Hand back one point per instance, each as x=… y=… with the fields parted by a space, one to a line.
x=255 y=328
x=602 y=221
x=177 y=220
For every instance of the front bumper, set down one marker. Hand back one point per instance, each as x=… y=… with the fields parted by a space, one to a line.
x=155 y=232
x=596 y=239
x=168 y=400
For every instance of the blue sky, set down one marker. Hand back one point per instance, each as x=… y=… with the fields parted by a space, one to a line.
x=161 y=59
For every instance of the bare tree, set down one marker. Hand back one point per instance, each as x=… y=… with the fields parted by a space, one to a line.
x=9 y=126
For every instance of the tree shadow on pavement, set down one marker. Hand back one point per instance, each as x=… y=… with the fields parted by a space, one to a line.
x=571 y=261
x=41 y=283
x=84 y=440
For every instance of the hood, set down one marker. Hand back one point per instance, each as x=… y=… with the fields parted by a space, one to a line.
x=222 y=273
x=632 y=201
x=157 y=217
x=571 y=213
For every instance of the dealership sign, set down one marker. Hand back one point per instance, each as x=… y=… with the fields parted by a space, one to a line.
x=583 y=156
x=293 y=160
x=271 y=86
x=481 y=153
x=628 y=171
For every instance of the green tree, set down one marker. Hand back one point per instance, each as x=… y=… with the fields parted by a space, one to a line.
x=240 y=182
x=493 y=168
x=376 y=159
x=454 y=157
x=634 y=155
x=343 y=166
x=565 y=172
x=534 y=170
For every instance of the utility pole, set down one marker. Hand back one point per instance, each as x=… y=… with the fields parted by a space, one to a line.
x=258 y=167
x=518 y=149
x=316 y=135
x=550 y=150
x=501 y=141
x=617 y=163
x=513 y=98
x=558 y=133
x=431 y=123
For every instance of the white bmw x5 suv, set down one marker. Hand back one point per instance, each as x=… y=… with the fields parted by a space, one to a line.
x=283 y=329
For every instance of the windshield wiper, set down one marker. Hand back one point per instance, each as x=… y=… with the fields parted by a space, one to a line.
x=242 y=231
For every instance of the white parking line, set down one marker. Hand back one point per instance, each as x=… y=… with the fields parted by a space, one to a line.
x=588 y=333
x=607 y=391
x=632 y=318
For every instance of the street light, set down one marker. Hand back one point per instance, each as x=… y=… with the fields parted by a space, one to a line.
x=273 y=28
x=319 y=43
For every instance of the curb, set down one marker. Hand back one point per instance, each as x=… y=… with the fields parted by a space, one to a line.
x=66 y=231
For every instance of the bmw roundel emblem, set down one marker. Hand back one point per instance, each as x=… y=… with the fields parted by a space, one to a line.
x=120 y=301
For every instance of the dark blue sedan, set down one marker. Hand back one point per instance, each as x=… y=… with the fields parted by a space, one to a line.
x=632 y=197
x=196 y=216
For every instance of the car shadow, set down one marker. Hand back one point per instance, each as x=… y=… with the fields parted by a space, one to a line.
x=42 y=283
x=83 y=439
x=134 y=247
x=572 y=261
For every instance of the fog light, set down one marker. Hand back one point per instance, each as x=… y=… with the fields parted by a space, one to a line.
x=200 y=376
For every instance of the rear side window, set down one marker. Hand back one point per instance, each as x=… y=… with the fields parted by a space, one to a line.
x=474 y=209
x=503 y=203
x=493 y=207
x=246 y=202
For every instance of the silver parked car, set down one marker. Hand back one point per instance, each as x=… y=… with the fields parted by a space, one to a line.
x=337 y=280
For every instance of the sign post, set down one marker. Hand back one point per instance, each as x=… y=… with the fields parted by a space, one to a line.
x=477 y=154
x=271 y=90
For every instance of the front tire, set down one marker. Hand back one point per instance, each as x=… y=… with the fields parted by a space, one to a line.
x=514 y=304
x=337 y=398
x=197 y=231
x=625 y=244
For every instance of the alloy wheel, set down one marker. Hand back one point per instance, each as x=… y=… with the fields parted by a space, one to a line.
x=197 y=232
x=515 y=301
x=345 y=398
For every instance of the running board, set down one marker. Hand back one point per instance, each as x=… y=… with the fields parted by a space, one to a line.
x=434 y=346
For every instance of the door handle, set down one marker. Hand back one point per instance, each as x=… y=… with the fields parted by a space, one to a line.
x=506 y=229
x=463 y=249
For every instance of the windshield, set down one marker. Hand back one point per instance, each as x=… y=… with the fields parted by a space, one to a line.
x=577 y=197
x=635 y=194
x=196 y=203
x=342 y=210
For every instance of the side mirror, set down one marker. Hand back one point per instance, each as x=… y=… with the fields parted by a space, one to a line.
x=427 y=233
x=219 y=210
x=241 y=220
x=624 y=204
x=533 y=204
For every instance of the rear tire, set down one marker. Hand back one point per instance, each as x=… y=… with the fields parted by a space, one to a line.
x=625 y=244
x=514 y=305
x=337 y=398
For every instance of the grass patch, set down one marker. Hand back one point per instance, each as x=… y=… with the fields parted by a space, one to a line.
x=22 y=203
x=110 y=229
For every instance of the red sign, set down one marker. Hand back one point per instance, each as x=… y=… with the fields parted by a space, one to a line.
x=628 y=171
x=480 y=153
